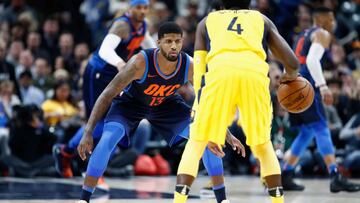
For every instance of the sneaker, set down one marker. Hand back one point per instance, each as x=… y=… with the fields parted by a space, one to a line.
x=81 y=201
x=102 y=185
x=225 y=201
x=62 y=161
x=163 y=167
x=340 y=183
x=207 y=192
x=288 y=182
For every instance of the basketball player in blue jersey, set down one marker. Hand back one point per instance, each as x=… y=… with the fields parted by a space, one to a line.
x=127 y=35
x=145 y=88
x=311 y=47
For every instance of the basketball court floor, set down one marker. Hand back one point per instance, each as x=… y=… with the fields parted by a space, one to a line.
x=240 y=189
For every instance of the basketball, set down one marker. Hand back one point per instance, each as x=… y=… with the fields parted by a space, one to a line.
x=296 y=96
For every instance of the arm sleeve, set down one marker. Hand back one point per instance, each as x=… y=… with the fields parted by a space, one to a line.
x=313 y=62
x=148 y=42
x=199 y=71
x=107 y=49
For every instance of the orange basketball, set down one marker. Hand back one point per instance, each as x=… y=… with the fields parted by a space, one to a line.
x=296 y=96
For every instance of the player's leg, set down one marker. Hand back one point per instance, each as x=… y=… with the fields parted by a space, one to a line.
x=215 y=169
x=255 y=110
x=112 y=134
x=212 y=118
x=326 y=149
x=299 y=145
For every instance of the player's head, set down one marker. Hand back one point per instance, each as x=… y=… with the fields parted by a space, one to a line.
x=324 y=17
x=170 y=40
x=236 y=4
x=139 y=9
x=216 y=5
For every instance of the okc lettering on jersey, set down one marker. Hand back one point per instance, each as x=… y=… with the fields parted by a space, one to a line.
x=159 y=92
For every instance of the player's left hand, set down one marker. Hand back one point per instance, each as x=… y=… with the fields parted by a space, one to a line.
x=236 y=144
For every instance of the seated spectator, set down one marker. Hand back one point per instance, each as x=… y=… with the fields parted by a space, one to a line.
x=26 y=63
x=8 y=99
x=44 y=79
x=351 y=134
x=59 y=111
x=29 y=93
x=30 y=144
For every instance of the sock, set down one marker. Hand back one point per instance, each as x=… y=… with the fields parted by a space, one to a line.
x=219 y=191
x=288 y=167
x=333 y=169
x=179 y=198
x=86 y=193
x=277 y=199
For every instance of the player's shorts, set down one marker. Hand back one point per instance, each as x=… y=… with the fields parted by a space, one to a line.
x=95 y=80
x=229 y=88
x=171 y=119
x=316 y=112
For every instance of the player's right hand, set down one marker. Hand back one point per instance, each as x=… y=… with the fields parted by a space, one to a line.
x=85 y=146
x=288 y=77
x=326 y=96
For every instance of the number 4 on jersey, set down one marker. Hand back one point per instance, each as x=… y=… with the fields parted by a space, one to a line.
x=238 y=26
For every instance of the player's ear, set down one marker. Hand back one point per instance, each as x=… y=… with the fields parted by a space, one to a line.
x=158 y=42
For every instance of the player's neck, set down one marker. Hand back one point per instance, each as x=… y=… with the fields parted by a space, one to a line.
x=135 y=23
x=166 y=66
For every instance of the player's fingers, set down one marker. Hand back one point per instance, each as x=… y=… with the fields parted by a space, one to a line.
x=89 y=148
x=243 y=151
x=81 y=152
x=217 y=151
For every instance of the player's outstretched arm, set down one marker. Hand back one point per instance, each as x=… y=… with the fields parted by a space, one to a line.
x=133 y=70
x=282 y=51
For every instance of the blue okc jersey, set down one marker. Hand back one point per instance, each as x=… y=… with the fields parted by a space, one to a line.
x=315 y=113
x=155 y=87
x=127 y=47
x=302 y=48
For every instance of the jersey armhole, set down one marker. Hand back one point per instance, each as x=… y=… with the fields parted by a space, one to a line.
x=186 y=77
x=146 y=68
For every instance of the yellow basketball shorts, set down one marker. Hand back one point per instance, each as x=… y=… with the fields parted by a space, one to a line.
x=227 y=89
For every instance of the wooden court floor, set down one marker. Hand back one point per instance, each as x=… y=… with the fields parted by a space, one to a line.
x=240 y=189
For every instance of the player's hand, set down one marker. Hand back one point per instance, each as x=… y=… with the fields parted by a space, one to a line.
x=85 y=146
x=216 y=149
x=236 y=144
x=326 y=95
x=288 y=77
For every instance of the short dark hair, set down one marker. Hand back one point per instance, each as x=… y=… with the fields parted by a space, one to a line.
x=25 y=73
x=169 y=28
x=321 y=10
x=241 y=4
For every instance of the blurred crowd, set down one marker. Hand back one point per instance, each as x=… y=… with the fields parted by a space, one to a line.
x=44 y=47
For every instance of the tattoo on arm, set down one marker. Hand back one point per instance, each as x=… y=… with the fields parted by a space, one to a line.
x=121 y=29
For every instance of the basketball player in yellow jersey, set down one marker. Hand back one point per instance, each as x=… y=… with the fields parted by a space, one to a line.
x=231 y=46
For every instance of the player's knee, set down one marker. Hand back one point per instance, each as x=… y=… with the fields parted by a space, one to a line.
x=212 y=163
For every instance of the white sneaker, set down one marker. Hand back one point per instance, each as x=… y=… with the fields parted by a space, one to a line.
x=225 y=201
x=81 y=201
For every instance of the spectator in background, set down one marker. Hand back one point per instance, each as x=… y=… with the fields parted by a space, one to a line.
x=7 y=70
x=50 y=36
x=351 y=134
x=26 y=63
x=8 y=99
x=44 y=79
x=59 y=111
x=13 y=57
x=17 y=32
x=33 y=44
x=13 y=11
x=354 y=57
x=66 y=50
x=30 y=144
x=29 y=93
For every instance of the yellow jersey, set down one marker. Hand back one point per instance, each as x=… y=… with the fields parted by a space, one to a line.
x=237 y=37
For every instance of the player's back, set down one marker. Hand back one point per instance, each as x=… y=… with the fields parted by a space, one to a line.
x=237 y=38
